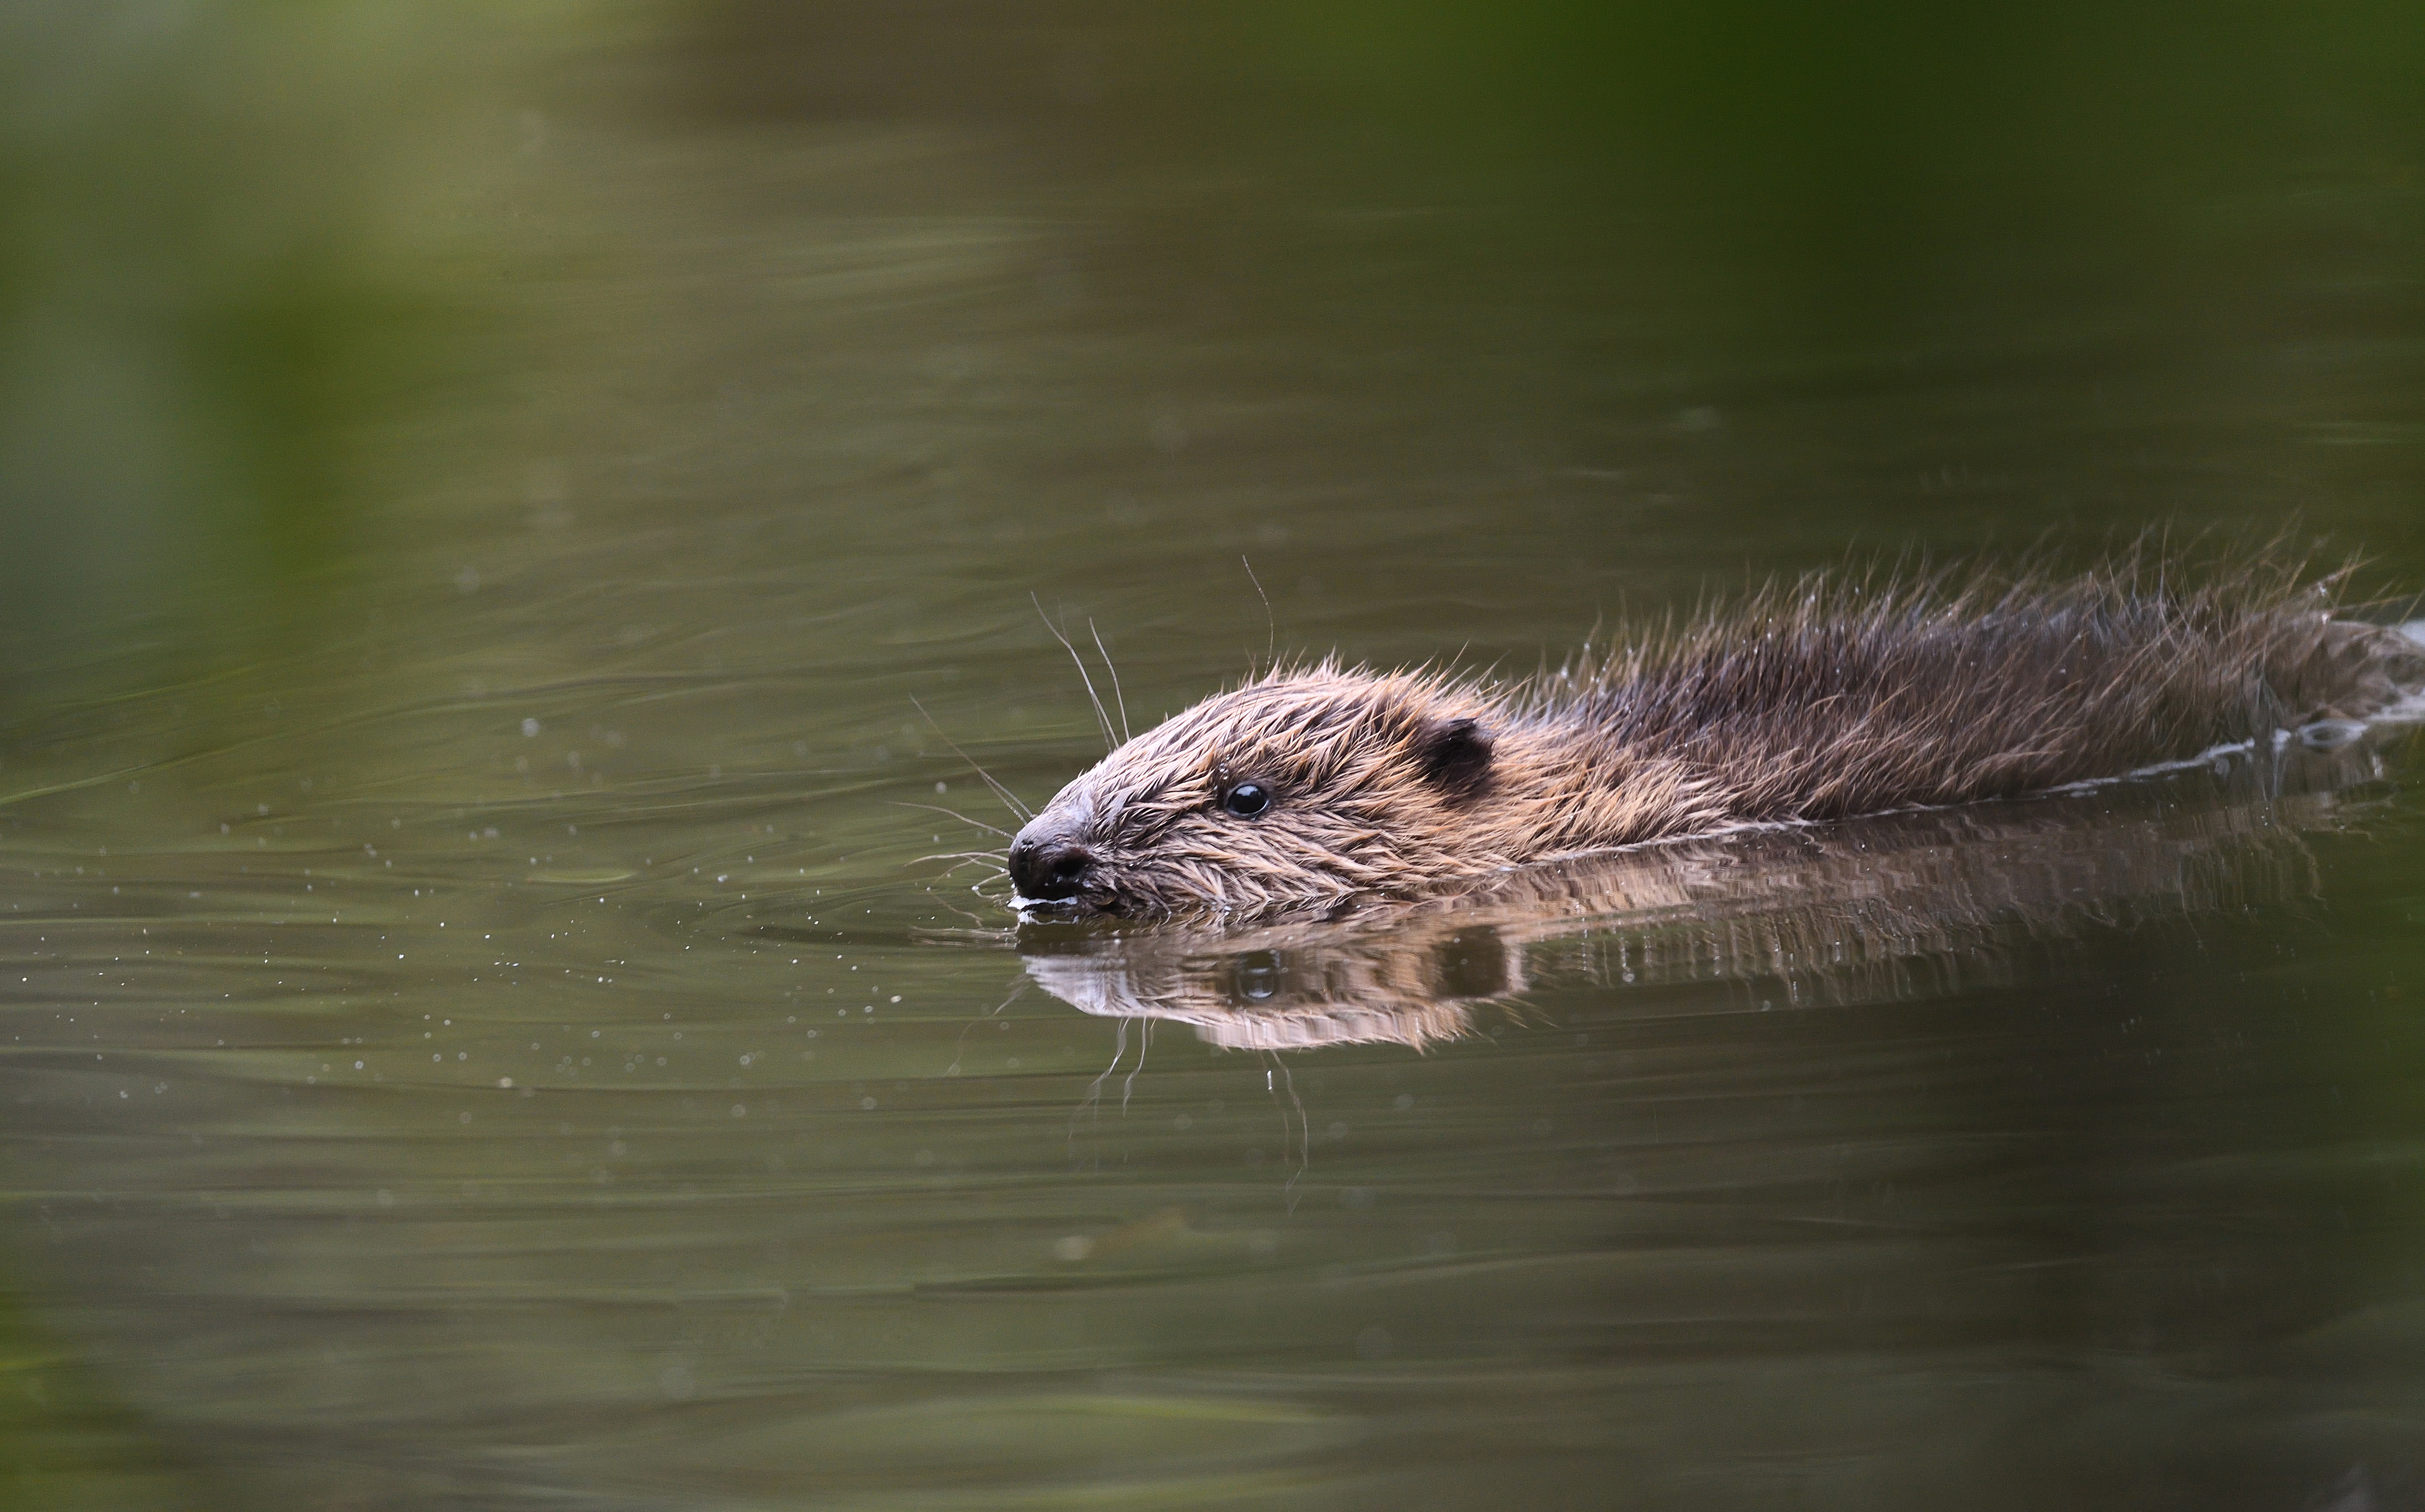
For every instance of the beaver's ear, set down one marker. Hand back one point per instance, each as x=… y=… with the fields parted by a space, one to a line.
x=1455 y=757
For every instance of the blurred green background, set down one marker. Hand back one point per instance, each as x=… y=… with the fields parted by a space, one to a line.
x=238 y=240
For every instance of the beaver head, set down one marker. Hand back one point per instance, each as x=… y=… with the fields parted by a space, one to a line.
x=1301 y=787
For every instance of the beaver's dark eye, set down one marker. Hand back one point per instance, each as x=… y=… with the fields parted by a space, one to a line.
x=1246 y=799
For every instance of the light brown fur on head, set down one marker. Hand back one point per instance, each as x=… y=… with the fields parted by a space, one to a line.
x=1830 y=697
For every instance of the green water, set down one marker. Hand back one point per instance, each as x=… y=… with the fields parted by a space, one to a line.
x=483 y=492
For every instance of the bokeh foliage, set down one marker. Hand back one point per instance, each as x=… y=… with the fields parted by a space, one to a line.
x=1822 y=168
x=231 y=238
x=235 y=235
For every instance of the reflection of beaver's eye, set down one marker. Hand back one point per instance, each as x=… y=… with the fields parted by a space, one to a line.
x=1246 y=799
x=1258 y=976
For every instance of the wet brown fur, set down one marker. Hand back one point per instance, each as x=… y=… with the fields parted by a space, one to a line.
x=1835 y=696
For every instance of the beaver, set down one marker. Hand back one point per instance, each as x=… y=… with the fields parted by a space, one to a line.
x=1834 y=696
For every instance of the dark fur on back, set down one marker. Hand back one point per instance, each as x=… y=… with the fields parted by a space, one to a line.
x=1837 y=695
x=1851 y=695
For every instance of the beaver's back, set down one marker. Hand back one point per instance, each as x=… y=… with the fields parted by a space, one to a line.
x=1834 y=699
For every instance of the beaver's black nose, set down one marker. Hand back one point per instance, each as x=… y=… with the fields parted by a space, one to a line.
x=1048 y=869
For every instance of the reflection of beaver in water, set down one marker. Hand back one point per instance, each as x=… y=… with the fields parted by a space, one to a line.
x=1868 y=910
x=1828 y=698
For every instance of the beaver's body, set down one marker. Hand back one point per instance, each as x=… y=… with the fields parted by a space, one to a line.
x=1830 y=699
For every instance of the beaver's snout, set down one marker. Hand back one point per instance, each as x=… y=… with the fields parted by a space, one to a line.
x=1048 y=868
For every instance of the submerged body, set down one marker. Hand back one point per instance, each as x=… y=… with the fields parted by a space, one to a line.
x=1831 y=699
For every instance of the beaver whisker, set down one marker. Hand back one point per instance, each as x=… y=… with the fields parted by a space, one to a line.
x=1304 y=1125
x=937 y=808
x=1145 y=1046
x=963 y=913
x=1100 y=717
x=960 y=1044
x=1009 y=799
x=995 y=874
x=965 y=858
x=1271 y=626
x=1093 y=1101
x=978 y=890
x=994 y=871
x=1118 y=696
